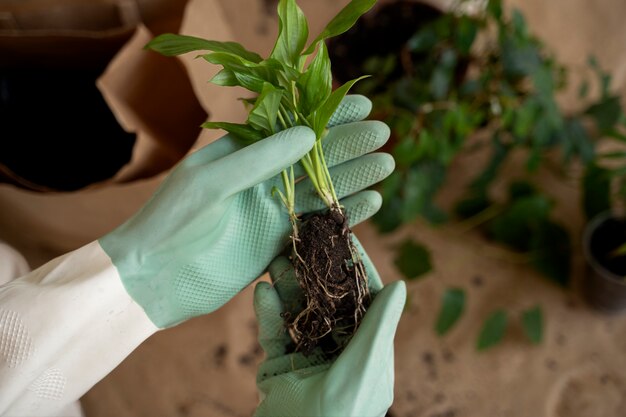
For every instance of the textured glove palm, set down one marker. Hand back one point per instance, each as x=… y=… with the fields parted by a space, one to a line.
x=359 y=383
x=213 y=226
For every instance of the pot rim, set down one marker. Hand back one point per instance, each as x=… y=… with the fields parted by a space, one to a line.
x=590 y=228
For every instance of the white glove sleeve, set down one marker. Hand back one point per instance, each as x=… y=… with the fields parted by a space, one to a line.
x=63 y=327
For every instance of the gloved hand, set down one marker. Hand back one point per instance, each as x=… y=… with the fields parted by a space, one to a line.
x=213 y=226
x=359 y=383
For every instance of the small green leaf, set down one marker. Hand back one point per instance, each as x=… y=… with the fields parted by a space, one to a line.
x=263 y=115
x=492 y=331
x=225 y=78
x=577 y=141
x=452 y=307
x=472 y=205
x=322 y=115
x=442 y=74
x=532 y=322
x=606 y=113
x=604 y=78
x=421 y=184
x=500 y=152
x=467 y=29
x=551 y=251
x=317 y=82
x=515 y=225
x=284 y=73
x=343 y=21
x=423 y=40
x=519 y=60
x=596 y=190
x=494 y=7
x=525 y=118
x=250 y=75
x=292 y=33
x=413 y=259
x=244 y=133
x=519 y=23
x=170 y=44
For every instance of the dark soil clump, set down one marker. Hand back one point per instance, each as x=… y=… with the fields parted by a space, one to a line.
x=330 y=272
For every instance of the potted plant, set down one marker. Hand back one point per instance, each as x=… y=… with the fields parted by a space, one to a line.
x=604 y=247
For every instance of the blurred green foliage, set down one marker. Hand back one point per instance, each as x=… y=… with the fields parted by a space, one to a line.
x=459 y=75
x=486 y=73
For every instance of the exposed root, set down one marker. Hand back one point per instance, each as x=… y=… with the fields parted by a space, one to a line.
x=334 y=281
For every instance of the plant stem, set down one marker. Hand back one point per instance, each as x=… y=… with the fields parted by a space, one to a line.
x=289 y=182
x=314 y=165
x=479 y=218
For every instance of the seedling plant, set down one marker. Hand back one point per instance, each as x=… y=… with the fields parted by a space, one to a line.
x=294 y=88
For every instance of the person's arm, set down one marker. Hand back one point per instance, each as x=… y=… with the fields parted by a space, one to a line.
x=63 y=327
x=210 y=229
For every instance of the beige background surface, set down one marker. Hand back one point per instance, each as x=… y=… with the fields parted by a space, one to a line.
x=206 y=367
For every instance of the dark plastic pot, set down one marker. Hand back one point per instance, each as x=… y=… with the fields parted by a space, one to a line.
x=604 y=284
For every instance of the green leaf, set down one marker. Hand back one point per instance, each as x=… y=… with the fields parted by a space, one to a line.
x=412 y=260
x=452 y=307
x=170 y=44
x=409 y=150
x=442 y=75
x=317 y=82
x=494 y=7
x=343 y=21
x=423 y=40
x=421 y=184
x=515 y=226
x=263 y=115
x=499 y=154
x=472 y=205
x=576 y=141
x=467 y=29
x=381 y=66
x=551 y=251
x=387 y=218
x=293 y=32
x=596 y=190
x=532 y=322
x=244 y=133
x=519 y=23
x=603 y=78
x=322 y=115
x=225 y=78
x=492 y=331
x=525 y=118
x=606 y=113
x=284 y=73
x=519 y=60
x=249 y=75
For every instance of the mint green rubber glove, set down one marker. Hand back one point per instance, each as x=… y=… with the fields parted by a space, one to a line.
x=213 y=226
x=359 y=383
